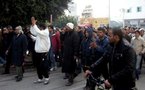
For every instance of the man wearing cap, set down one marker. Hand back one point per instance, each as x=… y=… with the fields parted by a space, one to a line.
x=142 y=30
x=70 y=52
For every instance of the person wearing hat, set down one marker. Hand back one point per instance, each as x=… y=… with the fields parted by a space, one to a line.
x=142 y=30
x=70 y=52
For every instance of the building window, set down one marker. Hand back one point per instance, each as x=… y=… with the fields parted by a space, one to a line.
x=138 y=9
x=129 y=10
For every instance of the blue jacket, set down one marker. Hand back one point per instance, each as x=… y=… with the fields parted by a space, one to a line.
x=85 y=47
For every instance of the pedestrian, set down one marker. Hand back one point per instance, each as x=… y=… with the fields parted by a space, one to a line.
x=70 y=52
x=138 y=44
x=98 y=47
x=121 y=58
x=19 y=47
x=6 y=41
x=42 y=47
x=55 y=46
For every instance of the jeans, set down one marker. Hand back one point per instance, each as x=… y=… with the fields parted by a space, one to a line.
x=138 y=61
x=51 y=56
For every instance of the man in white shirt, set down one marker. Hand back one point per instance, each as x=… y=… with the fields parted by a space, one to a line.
x=138 y=44
x=42 y=46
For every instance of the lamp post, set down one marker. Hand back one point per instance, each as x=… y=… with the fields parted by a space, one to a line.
x=123 y=13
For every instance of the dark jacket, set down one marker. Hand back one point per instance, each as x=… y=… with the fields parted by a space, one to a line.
x=71 y=46
x=86 y=50
x=98 y=52
x=122 y=66
x=19 y=47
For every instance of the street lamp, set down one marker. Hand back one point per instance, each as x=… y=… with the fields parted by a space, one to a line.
x=123 y=13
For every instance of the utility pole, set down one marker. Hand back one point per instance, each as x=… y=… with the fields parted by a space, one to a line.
x=51 y=19
x=109 y=12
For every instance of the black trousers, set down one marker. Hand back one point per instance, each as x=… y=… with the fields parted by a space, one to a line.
x=42 y=65
x=8 y=63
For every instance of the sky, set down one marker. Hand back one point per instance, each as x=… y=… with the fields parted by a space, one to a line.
x=101 y=8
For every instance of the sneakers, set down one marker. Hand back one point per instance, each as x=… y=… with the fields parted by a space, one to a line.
x=38 y=81
x=46 y=81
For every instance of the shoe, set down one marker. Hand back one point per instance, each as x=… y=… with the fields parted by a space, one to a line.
x=68 y=83
x=52 y=69
x=18 y=79
x=38 y=81
x=65 y=77
x=18 y=76
x=46 y=81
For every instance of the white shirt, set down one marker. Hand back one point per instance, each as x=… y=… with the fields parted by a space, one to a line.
x=42 y=40
x=138 y=44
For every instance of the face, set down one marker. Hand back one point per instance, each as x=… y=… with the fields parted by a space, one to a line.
x=111 y=36
x=33 y=20
x=50 y=29
x=141 y=32
x=10 y=30
x=101 y=34
x=16 y=30
x=86 y=34
x=137 y=34
x=5 y=31
x=67 y=28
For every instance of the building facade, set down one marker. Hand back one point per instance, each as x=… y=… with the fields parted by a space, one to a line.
x=134 y=14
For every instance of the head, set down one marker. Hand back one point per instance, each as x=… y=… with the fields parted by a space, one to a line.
x=69 y=26
x=137 y=33
x=101 y=32
x=50 y=27
x=88 y=33
x=142 y=30
x=10 y=28
x=33 y=18
x=78 y=28
x=18 y=30
x=5 y=31
x=42 y=26
x=115 y=35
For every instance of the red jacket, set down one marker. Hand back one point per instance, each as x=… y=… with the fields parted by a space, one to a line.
x=55 y=40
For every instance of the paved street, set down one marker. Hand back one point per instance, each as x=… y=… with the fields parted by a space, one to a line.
x=7 y=82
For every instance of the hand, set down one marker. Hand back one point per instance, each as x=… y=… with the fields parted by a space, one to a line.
x=59 y=50
x=87 y=72
x=93 y=45
x=6 y=52
x=107 y=84
x=33 y=21
x=141 y=53
x=75 y=57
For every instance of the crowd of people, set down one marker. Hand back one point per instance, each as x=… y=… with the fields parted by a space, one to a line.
x=116 y=54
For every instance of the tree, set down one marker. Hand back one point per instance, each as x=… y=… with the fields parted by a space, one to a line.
x=16 y=12
x=63 y=20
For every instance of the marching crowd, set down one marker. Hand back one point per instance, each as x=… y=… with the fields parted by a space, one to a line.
x=113 y=53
